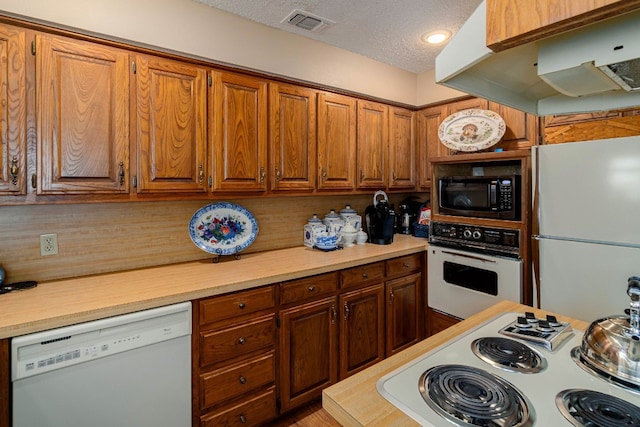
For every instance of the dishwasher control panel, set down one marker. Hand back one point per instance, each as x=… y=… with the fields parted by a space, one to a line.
x=45 y=351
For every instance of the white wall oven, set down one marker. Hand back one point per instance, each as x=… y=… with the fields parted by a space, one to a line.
x=472 y=267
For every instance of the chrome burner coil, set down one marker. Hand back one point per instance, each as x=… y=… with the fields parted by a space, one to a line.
x=586 y=408
x=469 y=396
x=508 y=354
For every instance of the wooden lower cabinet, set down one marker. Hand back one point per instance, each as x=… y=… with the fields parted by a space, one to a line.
x=234 y=359
x=266 y=351
x=251 y=411
x=402 y=313
x=438 y=321
x=308 y=350
x=361 y=329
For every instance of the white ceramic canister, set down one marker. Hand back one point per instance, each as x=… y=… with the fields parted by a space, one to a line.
x=361 y=237
x=350 y=216
x=313 y=228
x=349 y=234
x=334 y=223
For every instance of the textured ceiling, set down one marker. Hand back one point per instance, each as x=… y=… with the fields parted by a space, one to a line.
x=384 y=30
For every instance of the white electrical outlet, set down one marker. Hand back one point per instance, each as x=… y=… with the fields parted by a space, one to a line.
x=48 y=244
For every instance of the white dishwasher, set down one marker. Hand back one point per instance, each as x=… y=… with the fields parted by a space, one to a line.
x=126 y=371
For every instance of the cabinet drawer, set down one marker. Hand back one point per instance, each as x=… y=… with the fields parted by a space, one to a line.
x=232 y=381
x=253 y=411
x=297 y=290
x=405 y=264
x=364 y=273
x=219 y=345
x=227 y=306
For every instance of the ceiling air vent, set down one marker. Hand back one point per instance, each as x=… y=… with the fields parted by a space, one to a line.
x=307 y=21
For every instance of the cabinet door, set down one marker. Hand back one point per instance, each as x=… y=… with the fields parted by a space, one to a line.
x=437 y=322
x=402 y=149
x=308 y=351
x=522 y=129
x=171 y=125
x=403 y=315
x=362 y=329
x=292 y=137
x=82 y=102
x=239 y=117
x=373 y=141
x=471 y=103
x=13 y=107
x=336 y=142
x=429 y=145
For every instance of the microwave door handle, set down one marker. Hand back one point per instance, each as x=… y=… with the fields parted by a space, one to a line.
x=469 y=256
x=493 y=187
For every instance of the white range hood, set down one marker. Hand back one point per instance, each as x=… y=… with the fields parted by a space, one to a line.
x=593 y=68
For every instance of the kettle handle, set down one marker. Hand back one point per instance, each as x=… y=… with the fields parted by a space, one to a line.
x=378 y=193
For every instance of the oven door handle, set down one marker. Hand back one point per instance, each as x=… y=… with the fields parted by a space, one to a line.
x=470 y=256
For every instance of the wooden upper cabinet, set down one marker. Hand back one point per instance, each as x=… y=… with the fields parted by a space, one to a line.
x=373 y=141
x=239 y=119
x=13 y=107
x=402 y=149
x=82 y=104
x=522 y=129
x=336 y=142
x=292 y=139
x=171 y=125
x=471 y=103
x=512 y=23
x=429 y=144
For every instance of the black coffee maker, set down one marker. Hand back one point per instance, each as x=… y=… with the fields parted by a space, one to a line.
x=380 y=219
x=409 y=209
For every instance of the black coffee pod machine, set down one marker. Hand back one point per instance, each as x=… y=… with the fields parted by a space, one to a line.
x=380 y=219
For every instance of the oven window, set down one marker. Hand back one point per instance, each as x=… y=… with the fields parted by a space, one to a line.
x=480 y=280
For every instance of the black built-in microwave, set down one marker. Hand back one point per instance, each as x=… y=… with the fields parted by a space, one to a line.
x=495 y=197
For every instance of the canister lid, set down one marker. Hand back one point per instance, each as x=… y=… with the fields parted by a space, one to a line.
x=347 y=210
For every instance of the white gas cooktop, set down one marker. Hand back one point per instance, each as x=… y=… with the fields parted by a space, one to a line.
x=400 y=387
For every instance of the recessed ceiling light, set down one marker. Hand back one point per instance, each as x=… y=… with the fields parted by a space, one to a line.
x=436 y=37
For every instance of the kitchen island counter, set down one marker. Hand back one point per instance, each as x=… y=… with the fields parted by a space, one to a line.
x=65 y=302
x=355 y=401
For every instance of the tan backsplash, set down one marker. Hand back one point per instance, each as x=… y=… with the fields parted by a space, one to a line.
x=101 y=238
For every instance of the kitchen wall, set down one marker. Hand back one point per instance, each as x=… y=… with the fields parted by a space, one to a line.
x=198 y=30
x=106 y=237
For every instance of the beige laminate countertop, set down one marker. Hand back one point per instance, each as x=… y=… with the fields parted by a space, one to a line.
x=65 y=302
x=355 y=402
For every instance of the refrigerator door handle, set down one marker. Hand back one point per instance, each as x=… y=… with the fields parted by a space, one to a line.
x=535 y=227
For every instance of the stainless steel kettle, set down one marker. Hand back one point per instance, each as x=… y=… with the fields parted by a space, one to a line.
x=611 y=345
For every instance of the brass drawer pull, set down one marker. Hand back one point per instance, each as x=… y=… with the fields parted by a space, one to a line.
x=241 y=340
x=241 y=306
x=243 y=419
x=311 y=288
x=14 y=170
x=242 y=380
x=365 y=275
x=121 y=173
x=405 y=265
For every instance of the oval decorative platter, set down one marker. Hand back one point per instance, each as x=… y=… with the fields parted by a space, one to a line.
x=223 y=228
x=471 y=130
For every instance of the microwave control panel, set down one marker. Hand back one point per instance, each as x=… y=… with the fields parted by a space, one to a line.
x=490 y=239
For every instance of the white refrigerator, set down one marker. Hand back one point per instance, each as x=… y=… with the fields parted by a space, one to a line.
x=586 y=207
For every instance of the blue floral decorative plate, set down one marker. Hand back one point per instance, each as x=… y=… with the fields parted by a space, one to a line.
x=223 y=228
